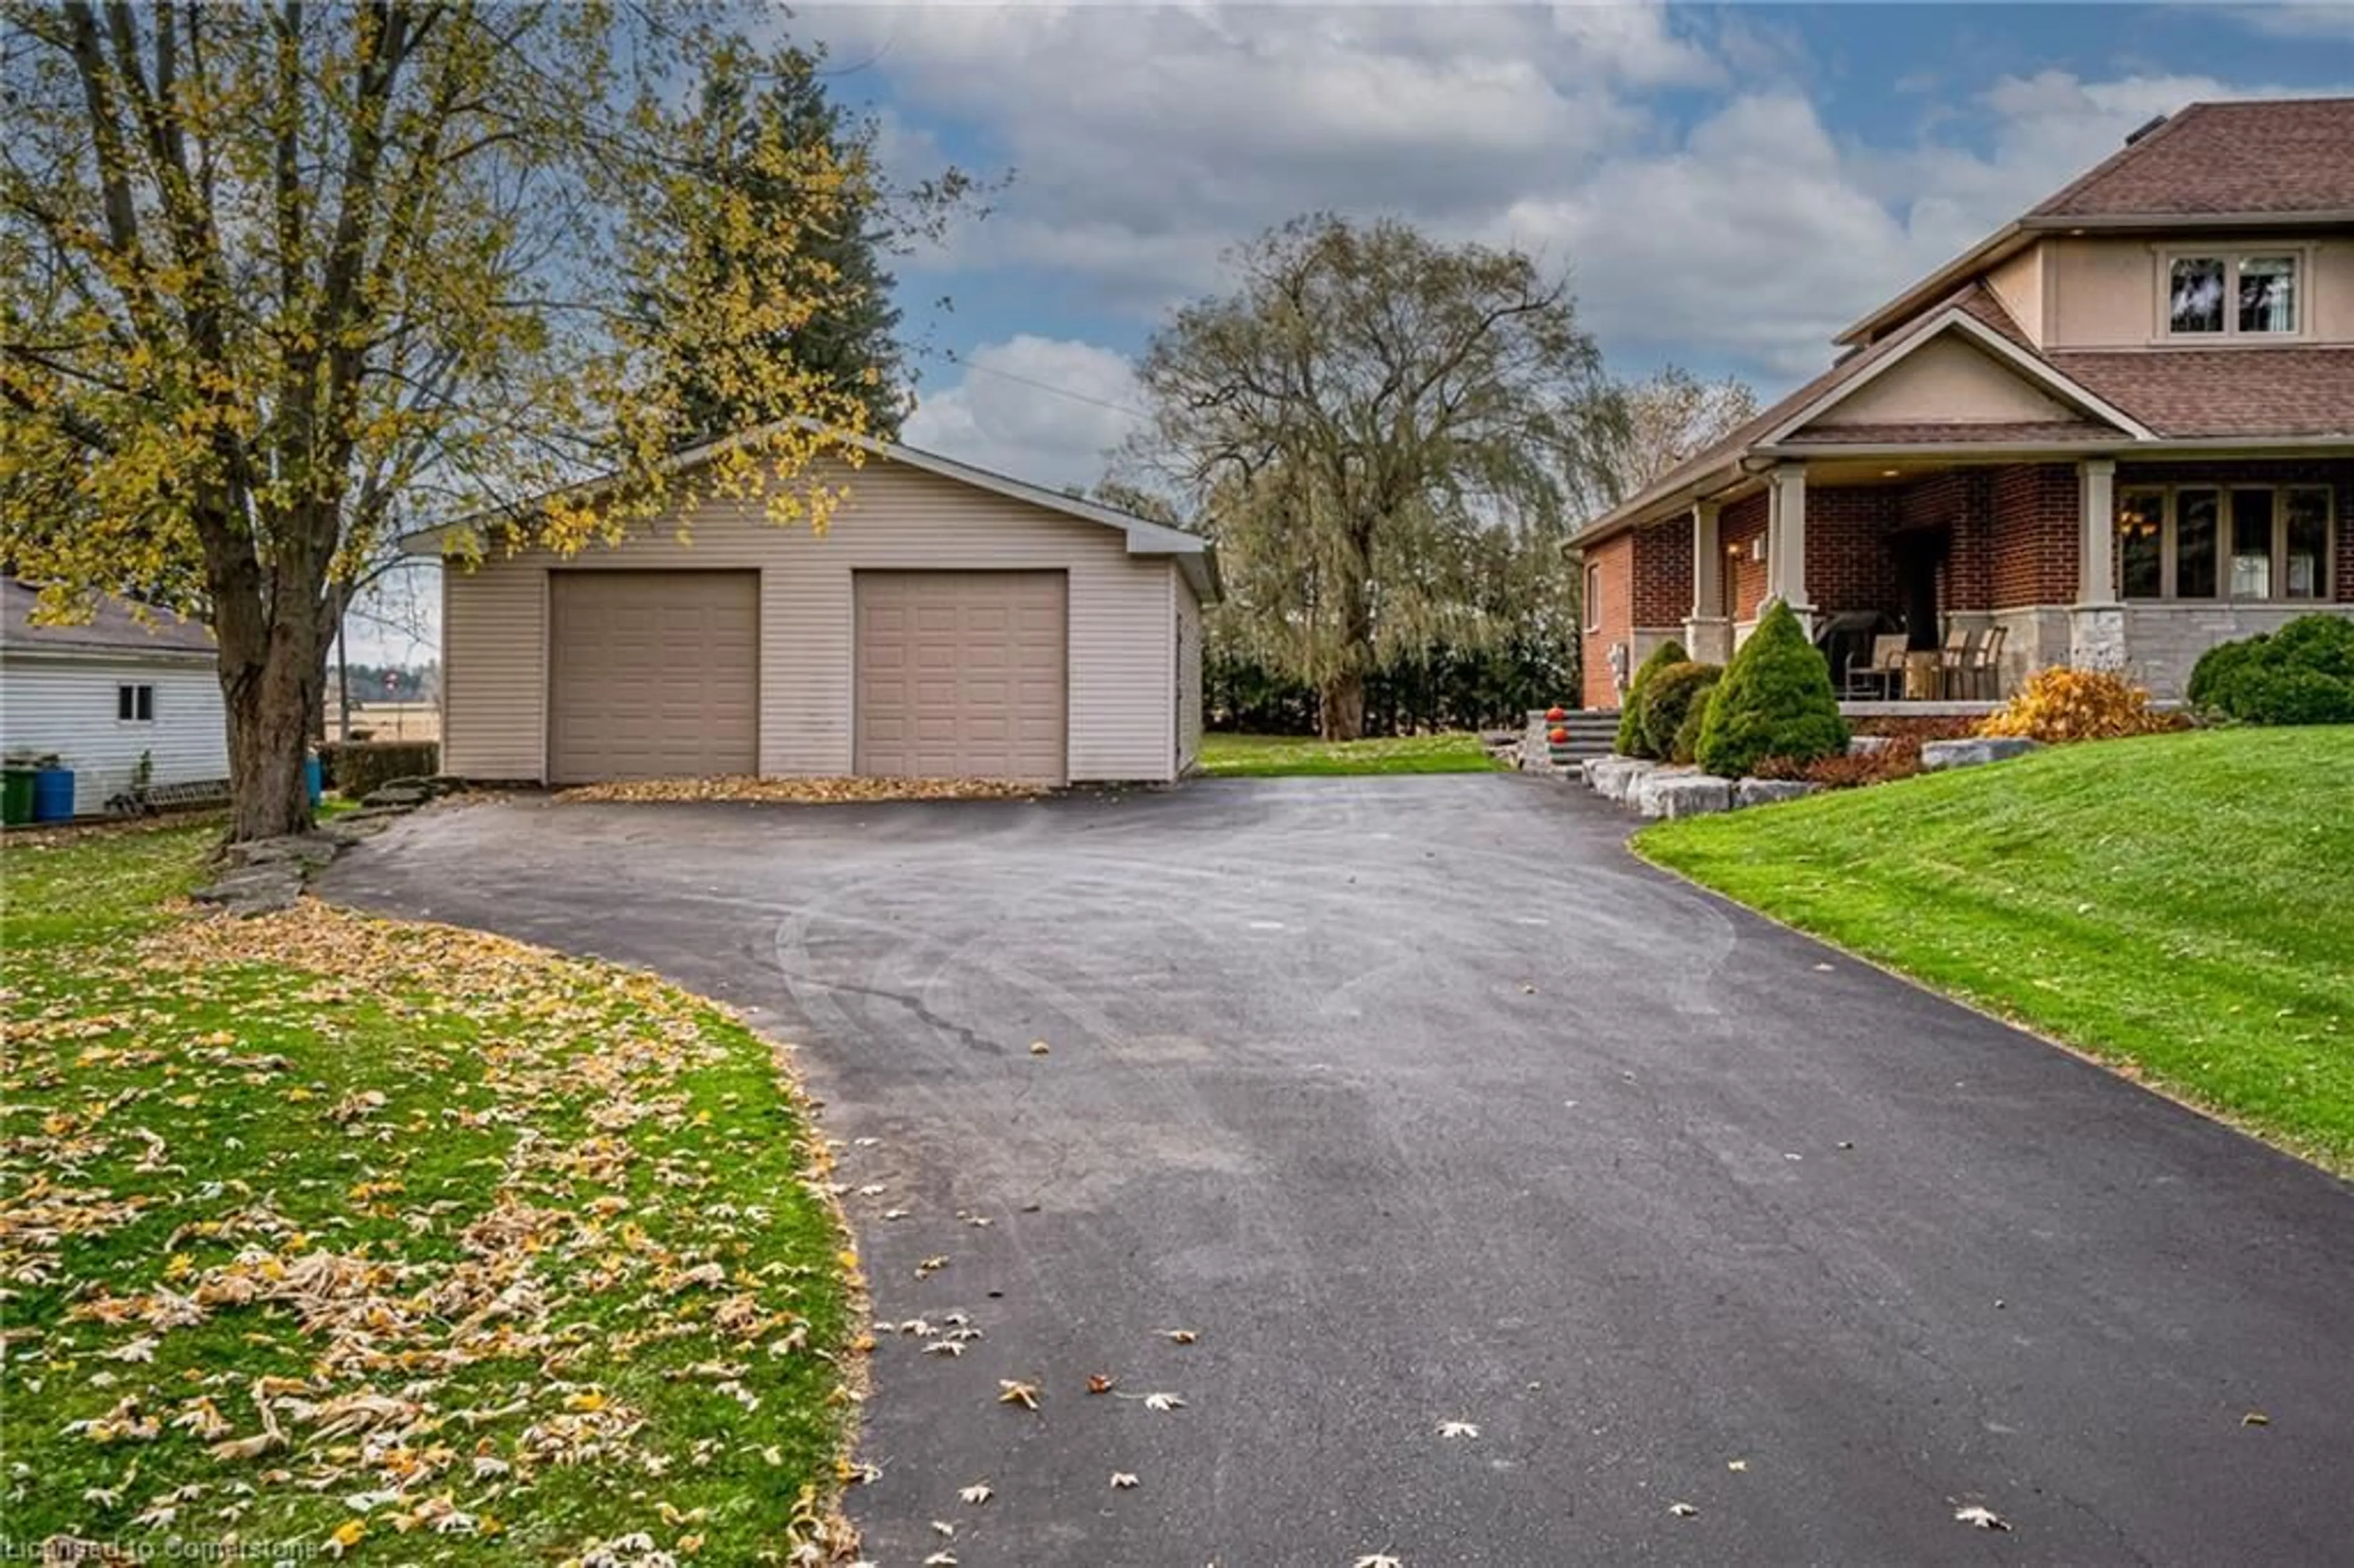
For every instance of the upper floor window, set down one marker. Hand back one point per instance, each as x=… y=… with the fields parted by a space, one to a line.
x=2247 y=293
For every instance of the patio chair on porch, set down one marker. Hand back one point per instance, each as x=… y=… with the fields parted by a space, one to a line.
x=1884 y=674
x=1984 y=668
x=1954 y=660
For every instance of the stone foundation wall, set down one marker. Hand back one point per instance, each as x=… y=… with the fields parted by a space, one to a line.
x=2163 y=642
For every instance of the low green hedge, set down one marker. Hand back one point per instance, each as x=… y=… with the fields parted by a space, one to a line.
x=2303 y=673
x=356 y=768
x=1671 y=697
x=1630 y=741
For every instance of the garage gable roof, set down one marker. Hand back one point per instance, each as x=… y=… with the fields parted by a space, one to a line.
x=1192 y=552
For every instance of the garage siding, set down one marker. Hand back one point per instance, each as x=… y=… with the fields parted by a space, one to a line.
x=1122 y=673
x=494 y=670
x=1189 y=673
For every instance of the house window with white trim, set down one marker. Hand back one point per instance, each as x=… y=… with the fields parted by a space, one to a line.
x=2231 y=294
x=1593 y=598
x=134 y=703
x=2229 y=542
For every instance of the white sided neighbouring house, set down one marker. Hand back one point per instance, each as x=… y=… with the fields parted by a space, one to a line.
x=102 y=695
x=950 y=623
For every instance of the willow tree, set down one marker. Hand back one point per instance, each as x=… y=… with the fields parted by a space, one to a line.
x=1350 y=419
x=277 y=279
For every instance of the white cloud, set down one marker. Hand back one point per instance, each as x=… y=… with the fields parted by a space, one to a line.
x=1047 y=410
x=2299 y=18
x=1146 y=142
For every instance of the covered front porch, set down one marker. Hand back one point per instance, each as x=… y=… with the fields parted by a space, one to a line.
x=1937 y=585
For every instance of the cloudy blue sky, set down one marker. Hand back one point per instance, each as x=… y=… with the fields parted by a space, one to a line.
x=1728 y=185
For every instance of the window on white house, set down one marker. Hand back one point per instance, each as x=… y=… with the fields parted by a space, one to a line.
x=2240 y=295
x=2251 y=542
x=134 y=703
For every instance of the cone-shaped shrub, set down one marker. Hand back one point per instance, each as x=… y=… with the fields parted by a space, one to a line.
x=1774 y=701
x=1673 y=693
x=1631 y=710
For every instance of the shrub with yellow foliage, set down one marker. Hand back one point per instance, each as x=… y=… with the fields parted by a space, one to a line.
x=2060 y=704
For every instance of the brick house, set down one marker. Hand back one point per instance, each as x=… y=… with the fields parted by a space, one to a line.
x=2120 y=428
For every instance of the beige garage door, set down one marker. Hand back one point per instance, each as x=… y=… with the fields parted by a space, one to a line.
x=652 y=674
x=962 y=674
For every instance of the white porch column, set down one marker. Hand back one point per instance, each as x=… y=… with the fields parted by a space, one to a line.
x=1785 y=541
x=1708 y=635
x=2096 y=621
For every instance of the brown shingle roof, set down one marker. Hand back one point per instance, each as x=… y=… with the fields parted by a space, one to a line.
x=2185 y=392
x=113 y=627
x=2285 y=156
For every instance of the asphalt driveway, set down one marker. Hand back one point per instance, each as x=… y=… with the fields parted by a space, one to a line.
x=1419 y=1101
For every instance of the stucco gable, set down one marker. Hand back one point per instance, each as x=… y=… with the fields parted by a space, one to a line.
x=1947 y=381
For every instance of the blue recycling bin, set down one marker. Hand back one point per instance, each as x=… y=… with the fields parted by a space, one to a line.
x=312 y=779
x=53 y=790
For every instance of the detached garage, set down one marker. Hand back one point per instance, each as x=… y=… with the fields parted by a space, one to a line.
x=950 y=623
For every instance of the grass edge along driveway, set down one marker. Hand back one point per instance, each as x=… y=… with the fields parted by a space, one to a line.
x=2173 y=906
x=391 y=1241
x=1289 y=756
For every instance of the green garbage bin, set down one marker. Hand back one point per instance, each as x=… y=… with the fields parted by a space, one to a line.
x=17 y=796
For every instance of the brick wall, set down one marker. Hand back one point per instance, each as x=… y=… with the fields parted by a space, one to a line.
x=1740 y=523
x=1958 y=501
x=1849 y=562
x=2034 y=538
x=1663 y=574
x=1608 y=586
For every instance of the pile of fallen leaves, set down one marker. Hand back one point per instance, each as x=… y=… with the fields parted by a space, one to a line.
x=803 y=791
x=368 y=1238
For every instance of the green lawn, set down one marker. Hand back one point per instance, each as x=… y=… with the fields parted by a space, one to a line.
x=394 y=1240
x=2180 y=906
x=1282 y=756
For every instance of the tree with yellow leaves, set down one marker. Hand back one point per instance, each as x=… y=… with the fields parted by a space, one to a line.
x=277 y=281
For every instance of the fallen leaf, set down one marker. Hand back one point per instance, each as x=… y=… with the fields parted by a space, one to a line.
x=1180 y=1335
x=2255 y=1418
x=1683 y=1510
x=1021 y=1394
x=945 y=1347
x=1457 y=1429
x=1121 y=1480
x=1101 y=1382
x=940 y=1560
x=1039 y=1048
x=1737 y=1463
x=1377 y=1560
x=1163 y=1402
x=976 y=1493
x=1981 y=1517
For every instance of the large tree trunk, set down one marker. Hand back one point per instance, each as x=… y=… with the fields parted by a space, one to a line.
x=1340 y=707
x=269 y=737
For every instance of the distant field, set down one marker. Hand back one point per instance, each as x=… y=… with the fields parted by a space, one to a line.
x=388 y=721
